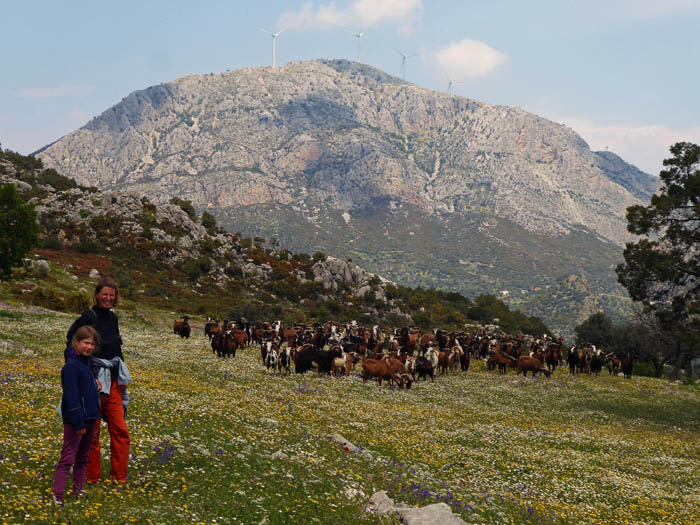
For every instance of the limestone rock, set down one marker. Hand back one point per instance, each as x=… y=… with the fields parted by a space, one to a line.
x=337 y=438
x=436 y=514
x=381 y=503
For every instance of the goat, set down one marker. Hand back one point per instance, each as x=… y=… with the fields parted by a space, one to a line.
x=531 y=364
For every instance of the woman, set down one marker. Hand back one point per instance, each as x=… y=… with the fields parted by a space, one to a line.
x=112 y=407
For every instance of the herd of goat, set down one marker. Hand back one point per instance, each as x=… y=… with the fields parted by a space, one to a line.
x=402 y=356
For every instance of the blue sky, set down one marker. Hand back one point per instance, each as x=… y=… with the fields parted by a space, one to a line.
x=622 y=73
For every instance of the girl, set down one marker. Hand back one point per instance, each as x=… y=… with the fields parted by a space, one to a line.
x=80 y=409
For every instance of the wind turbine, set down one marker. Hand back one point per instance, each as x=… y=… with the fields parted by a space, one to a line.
x=358 y=35
x=403 y=61
x=450 y=82
x=274 y=42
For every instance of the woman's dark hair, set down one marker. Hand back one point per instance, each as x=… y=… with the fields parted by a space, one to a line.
x=86 y=332
x=107 y=282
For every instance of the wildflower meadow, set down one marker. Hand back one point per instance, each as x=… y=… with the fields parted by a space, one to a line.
x=224 y=441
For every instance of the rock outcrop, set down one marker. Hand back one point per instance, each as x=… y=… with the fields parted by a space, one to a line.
x=435 y=514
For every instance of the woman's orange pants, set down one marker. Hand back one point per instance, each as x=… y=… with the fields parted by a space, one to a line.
x=111 y=409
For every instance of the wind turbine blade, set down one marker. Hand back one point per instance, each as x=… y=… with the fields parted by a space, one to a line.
x=400 y=53
x=266 y=31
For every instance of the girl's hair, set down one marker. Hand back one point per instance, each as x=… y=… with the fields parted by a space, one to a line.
x=107 y=282
x=86 y=332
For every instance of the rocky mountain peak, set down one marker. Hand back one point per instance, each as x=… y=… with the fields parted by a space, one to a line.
x=326 y=154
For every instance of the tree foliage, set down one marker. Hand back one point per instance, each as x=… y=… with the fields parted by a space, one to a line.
x=662 y=268
x=598 y=330
x=19 y=231
x=186 y=206
x=209 y=223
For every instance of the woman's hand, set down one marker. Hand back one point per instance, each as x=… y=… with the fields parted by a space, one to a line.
x=80 y=432
x=99 y=385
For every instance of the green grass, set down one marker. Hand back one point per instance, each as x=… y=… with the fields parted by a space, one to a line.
x=496 y=448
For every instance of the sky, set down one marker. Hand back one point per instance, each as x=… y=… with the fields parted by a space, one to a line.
x=624 y=74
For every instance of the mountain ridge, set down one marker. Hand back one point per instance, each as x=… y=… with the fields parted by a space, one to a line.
x=324 y=139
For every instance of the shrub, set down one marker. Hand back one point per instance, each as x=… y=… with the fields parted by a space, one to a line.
x=233 y=271
x=191 y=269
x=52 y=242
x=303 y=258
x=208 y=246
x=153 y=290
x=205 y=264
x=88 y=247
x=124 y=280
x=209 y=223
x=186 y=206
x=19 y=231
x=78 y=302
x=147 y=233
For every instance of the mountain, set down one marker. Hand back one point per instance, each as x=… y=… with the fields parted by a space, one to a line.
x=424 y=187
x=164 y=255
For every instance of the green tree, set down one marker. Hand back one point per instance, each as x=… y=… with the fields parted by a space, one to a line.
x=19 y=231
x=186 y=206
x=597 y=330
x=209 y=223
x=662 y=269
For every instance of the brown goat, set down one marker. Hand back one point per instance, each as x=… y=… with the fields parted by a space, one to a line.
x=530 y=364
x=502 y=362
x=379 y=369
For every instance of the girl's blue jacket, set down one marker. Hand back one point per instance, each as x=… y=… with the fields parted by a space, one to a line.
x=80 y=402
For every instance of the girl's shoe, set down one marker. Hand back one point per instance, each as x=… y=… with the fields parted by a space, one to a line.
x=57 y=501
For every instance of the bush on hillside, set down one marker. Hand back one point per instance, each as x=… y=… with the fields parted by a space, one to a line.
x=186 y=206
x=19 y=231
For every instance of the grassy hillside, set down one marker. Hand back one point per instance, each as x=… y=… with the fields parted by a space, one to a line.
x=205 y=431
x=473 y=254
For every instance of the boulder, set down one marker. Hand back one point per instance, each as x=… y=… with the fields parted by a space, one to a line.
x=94 y=274
x=344 y=443
x=41 y=265
x=380 y=503
x=436 y=514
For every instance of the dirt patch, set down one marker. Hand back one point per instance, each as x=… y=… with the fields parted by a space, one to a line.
x=82 y=262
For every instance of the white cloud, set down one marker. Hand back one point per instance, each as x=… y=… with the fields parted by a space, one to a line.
x=58 y=91
x=644 y=146
x=468 y=59
x=361 y=14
